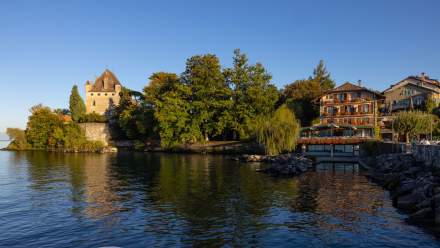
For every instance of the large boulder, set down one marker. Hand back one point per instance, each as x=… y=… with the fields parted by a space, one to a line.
x=288 y=167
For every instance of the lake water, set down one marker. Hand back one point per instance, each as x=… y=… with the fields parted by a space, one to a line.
x=140 y=200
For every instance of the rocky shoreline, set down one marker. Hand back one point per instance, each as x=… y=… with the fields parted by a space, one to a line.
x=281 y=165
x=414 y=185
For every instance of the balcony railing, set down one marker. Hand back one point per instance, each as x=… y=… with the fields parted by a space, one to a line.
x=349 y=122
x=325 y=114
x=355 y=100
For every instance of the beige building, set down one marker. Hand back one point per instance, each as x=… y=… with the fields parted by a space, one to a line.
x=103 y=94
x=411 y=93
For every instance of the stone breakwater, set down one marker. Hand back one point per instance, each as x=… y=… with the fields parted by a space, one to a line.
x=414 y=185
x=281 y=165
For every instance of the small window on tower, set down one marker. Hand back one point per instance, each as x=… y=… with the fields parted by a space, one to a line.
x=105 y=94
x=113 y=94
x=99 y=94
x=91 y=94
x=94 y=103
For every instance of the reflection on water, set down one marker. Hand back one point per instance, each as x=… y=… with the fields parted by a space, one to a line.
x=137 y=200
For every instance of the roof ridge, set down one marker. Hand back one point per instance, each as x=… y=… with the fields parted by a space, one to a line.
x=105 y=82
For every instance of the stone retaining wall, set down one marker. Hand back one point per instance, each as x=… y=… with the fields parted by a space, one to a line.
x=427 y=154
x=97 y=132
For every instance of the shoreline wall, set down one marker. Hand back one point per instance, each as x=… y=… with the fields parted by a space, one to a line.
x=97 y=132
x=427 y=154
x=413 y=178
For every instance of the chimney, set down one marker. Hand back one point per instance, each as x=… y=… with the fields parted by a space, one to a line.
x=423 y=75
x=359 y=83
x=106 y=83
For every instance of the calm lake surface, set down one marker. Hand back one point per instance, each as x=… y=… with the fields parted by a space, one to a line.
x=139 y=200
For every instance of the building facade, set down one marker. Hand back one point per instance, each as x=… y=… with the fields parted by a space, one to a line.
x=103 y=94
x=351 y=110
x=411 y=93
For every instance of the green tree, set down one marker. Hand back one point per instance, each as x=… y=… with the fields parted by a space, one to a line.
x=18 y=139
x=40 y=127
x=322 y=76
x=133 y=116
x=430 y=105
x=76 y=104
x=412 y=123
x=299 y=97
x=279 y=132
x=252 y=94
x=300 y=94
x=172 y=109
x=46 y=130
x=210 y=98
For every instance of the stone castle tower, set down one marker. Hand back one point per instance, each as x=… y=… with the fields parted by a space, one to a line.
x=103 y=94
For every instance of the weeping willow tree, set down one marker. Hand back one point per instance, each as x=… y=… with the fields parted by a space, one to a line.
x=279 y=132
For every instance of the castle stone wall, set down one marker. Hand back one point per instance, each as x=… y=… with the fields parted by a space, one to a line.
x=99 y=102
x=97 y=132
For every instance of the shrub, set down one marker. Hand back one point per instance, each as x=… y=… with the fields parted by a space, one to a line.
x=18 y=139
x=139 y=145
x=92 y=117
x=45 y=130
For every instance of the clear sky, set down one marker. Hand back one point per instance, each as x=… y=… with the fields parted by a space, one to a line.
x=47 y=46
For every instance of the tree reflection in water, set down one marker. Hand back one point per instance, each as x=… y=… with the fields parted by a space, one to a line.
x=199 y=200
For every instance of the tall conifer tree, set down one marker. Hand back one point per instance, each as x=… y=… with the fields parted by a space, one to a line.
x=76 y=104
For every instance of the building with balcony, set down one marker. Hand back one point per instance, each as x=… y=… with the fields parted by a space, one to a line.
x=411 y=93
x=348 y=117
x=347 y=111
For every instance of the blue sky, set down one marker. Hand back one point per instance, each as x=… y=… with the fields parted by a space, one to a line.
x=47 y=46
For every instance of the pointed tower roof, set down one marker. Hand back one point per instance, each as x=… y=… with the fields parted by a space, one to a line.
x=110 y=79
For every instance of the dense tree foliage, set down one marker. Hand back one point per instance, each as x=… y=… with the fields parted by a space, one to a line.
x=278 y=132
x=322 y=76
x=210 y=96
x=299 y=97
x=18 y=139
x=134 y=116
x=430 y=105
x=252 y=94
x=172 y=109
x=46 y=129
x=206 y=102
x=300 y=94
x=76 y=104
x=412 y=123
x=41 y=125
